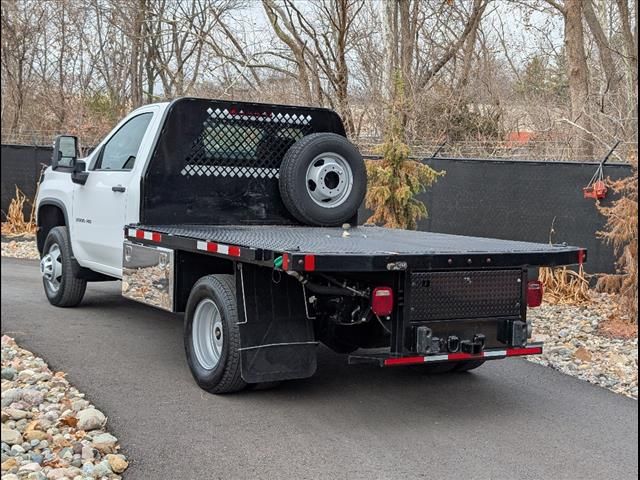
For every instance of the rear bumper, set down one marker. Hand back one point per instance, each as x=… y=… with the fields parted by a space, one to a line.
x=490 y=354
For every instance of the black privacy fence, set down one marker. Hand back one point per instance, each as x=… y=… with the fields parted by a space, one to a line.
x=516 y=200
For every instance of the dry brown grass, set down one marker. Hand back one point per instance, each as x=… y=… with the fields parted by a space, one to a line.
x=565 y=286
x=621 y=231
x=16 y=224
x=617 y=327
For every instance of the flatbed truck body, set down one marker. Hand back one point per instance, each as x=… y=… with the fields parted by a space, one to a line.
x=205 y=231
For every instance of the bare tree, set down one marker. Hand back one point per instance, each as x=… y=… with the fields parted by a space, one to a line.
x=21 y=31
x=318 y=42
x=577 y=72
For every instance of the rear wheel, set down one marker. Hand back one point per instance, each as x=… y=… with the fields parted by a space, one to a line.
x=211 y=335
x=61 y=286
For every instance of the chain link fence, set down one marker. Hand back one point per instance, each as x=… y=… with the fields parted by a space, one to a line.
x=533 y=150
x=536 y=150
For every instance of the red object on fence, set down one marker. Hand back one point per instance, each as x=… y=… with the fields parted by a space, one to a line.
x=597 y=190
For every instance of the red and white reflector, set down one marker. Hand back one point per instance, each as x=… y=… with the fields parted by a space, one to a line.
x=382 y=301
x=456 y=357
x=218 y=248
x=535 y=291
x=144 y=235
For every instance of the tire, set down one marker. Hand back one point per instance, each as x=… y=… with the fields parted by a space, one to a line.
x=323 y=179
x=61 y=286
x=211 y=308
x=468 y=365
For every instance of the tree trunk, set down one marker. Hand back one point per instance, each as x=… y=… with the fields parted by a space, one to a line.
x=391 y=40
x=604 y=49
x=631 y=53
x=341 y=67
x=578 y=77
x=137 y=54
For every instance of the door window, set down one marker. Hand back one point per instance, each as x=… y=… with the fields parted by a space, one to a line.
x=120 y=151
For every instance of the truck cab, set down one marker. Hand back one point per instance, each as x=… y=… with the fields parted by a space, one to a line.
x=95 y=203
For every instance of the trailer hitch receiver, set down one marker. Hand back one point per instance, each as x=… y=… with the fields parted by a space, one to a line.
x=475 y=346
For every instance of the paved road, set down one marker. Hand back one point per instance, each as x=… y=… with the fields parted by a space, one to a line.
x=510 y=419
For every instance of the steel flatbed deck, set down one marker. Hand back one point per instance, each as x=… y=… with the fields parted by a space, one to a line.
x=364 y=248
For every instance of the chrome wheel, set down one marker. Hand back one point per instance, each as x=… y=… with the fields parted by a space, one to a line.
x=51 y=267
x=207 y=334
x=329 y=180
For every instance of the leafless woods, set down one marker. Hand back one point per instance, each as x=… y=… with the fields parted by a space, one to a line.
x=477 y=73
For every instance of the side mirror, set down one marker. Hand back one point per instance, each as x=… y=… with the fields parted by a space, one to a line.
x=65 y=151
x=79 y=174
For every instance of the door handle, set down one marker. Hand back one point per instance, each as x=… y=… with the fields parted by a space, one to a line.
x=118 y=188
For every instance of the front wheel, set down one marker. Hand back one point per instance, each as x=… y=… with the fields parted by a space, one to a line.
x=211 y=335
x=61 y=286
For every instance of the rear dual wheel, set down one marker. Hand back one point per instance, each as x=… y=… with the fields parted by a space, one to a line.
x=212 y=336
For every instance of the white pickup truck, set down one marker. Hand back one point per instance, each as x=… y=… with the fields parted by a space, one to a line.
x=244 y=217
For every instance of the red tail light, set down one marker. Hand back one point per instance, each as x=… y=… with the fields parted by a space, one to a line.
x=535 y=291
x=382 y=301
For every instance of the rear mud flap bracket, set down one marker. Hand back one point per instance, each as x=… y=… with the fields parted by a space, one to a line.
x=277 y=339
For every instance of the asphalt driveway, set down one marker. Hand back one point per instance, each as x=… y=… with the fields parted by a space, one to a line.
x=507 y=420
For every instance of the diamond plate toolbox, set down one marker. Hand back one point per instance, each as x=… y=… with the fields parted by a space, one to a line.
x=465 y=294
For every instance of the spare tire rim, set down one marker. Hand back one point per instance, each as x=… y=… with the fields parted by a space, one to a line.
x=51 y=267
x=207 y=334
x=329 y=180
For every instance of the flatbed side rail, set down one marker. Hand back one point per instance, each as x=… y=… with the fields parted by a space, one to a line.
x=341 y=262
x=194 y=245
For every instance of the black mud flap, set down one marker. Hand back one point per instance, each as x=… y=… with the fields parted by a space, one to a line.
x=276 y=335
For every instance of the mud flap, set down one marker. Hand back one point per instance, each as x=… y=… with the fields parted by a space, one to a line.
x=276 y=336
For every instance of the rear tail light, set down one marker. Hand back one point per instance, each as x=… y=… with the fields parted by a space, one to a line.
x=382 y=301
x=535 y=291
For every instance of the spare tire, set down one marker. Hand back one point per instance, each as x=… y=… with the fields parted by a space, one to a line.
x=323 y=179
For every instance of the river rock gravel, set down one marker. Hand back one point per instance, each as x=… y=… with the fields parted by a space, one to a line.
x=49 y=430
x=573 y=344
x=20 y=247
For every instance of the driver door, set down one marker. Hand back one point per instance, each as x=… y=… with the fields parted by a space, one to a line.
x=100 y=205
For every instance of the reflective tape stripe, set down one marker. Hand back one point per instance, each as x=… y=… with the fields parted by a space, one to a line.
x=220 y=248
x=456 y=357
x=144 y=235
x=436 y=358
x=516 y=352
x=495 y=353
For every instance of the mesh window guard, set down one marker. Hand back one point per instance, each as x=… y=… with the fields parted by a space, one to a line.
x=234 y=143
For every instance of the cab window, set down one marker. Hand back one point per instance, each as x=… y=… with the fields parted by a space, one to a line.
x=120 y=151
